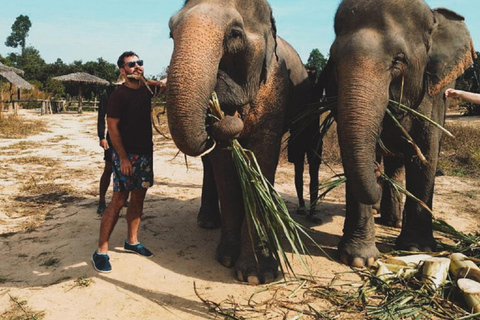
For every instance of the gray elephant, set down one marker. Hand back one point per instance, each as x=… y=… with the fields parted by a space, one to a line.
x=382 y=46
x=231 y=47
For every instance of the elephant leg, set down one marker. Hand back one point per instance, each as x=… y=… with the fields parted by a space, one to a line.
x=417 y=233
x=391 y=204
x=231 y=205
x=256 y=263
x=357 y=246
x=209 y=214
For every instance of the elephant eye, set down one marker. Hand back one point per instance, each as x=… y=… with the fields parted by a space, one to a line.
x=399 y=58
x=235 y=33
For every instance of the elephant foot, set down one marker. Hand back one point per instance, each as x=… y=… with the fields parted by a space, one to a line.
x=260 y=270
x=357 y=253
x=227 y=254
x=416 y=242
x=209 y=218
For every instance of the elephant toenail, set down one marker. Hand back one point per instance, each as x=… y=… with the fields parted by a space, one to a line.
x=370 y=261
x=253 y=280
x=358 y=262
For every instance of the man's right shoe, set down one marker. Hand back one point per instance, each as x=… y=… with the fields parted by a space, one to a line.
x=101 y=262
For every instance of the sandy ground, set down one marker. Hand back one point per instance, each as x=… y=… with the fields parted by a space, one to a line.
x=49 y=230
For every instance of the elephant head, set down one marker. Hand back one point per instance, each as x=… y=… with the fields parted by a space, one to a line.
x=385 y=49
x=219 y=45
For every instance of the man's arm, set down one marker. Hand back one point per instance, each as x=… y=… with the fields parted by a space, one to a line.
x=465 y=95
x=116 y=138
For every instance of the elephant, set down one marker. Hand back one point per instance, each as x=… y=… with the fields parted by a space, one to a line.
x=391 y=50
x=231 y=47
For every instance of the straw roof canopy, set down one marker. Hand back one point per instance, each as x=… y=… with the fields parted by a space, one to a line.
x=4 y=68
x=12 y=75
x=81 y=77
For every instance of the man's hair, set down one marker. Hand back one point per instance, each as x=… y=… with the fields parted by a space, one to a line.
x=126 y=54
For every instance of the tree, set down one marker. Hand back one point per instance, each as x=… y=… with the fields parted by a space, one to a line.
x=19 y=34
x=316 y=61
x=31 y=62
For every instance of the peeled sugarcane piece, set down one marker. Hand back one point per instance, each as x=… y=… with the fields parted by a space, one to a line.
x=384 y=272
x=411 y=260
x=435 y=271
x=461 y=267
x=471 y=293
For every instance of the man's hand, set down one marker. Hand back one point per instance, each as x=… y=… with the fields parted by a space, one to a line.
x=126 y=166
x=104 y=144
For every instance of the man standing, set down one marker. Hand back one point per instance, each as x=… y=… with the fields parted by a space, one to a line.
x=130 y=128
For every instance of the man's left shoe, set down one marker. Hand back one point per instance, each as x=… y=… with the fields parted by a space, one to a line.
x=138 y=249
x=101 y=207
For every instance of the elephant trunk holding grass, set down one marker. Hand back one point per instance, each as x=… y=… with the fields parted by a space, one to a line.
x=231 y=47
x=392 y=49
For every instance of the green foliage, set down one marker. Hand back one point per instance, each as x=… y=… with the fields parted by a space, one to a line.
x=470 y=81
x=316 y=61
x=31 y=63
x=19 y=34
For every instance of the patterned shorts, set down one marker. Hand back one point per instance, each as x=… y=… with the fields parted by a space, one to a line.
x=142 y=176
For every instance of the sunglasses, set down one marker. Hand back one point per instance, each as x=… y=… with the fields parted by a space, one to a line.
x=131 y=64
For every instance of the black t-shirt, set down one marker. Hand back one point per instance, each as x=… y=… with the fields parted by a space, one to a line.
x=133 y=108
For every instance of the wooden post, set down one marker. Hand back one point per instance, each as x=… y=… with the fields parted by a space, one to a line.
x=80 y=98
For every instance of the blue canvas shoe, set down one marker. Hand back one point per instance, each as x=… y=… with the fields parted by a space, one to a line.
x=101 y=207
x=138 y=249
x=101 y=262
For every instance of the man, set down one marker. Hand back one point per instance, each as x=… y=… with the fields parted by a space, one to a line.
x=107 y=154
x=105 y=144
x=130 y=129
x=306 y=141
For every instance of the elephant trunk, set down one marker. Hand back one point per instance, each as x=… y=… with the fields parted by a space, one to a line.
x=362 y=101
x=191 y=80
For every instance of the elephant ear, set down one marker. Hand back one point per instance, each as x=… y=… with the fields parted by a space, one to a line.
x=271 y=47
x=451 y=52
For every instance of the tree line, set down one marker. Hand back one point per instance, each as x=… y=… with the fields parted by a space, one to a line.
x=40 y=74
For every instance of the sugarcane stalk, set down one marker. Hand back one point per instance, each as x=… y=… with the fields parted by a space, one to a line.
x=435 y=271
x=422 y=116
x=462 y=267
x=471 y=293
x=409 y=138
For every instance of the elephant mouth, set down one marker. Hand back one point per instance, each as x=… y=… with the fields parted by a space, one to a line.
x=231 y=95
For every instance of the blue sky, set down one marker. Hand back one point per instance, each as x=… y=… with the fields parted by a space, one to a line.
x=89 y=29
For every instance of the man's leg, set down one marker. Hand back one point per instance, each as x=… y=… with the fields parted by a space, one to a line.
x=109 y=219
x=105 y=180
x=314 y=184
x=134 y=213
x=299 y=166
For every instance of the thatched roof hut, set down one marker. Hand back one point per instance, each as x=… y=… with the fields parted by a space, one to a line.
x=81 y=77
x=12 y=75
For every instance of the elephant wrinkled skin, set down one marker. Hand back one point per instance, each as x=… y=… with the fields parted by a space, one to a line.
x=231 y=47
x=382 y=46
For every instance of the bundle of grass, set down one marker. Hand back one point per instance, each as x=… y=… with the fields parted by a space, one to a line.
x=266 y=213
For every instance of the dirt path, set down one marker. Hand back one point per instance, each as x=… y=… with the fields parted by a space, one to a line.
x=49 y=229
